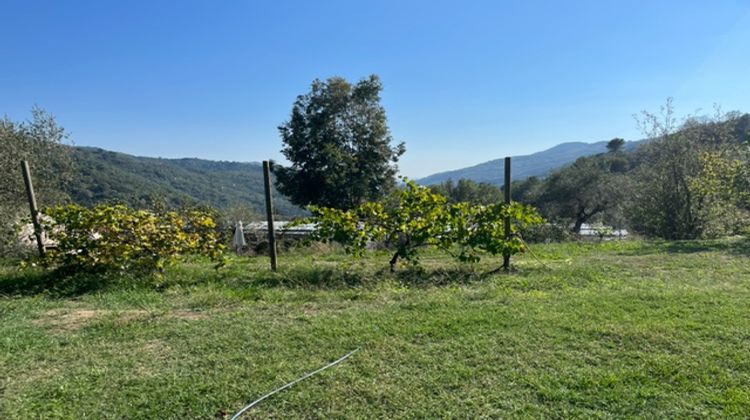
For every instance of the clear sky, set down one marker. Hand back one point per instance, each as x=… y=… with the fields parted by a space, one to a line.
x=465 y=81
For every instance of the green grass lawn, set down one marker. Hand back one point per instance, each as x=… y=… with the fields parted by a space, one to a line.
x=642 y=329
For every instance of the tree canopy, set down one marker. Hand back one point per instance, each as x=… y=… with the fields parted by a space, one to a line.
x=40 y=141
x=680 y=176
x=615 y=145
x=466 y=190
x=588 y=188
x=339 y=145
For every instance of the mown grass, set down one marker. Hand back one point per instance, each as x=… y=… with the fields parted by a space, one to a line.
x=618 y=329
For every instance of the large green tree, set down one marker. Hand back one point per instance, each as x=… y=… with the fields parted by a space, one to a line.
x=339 y=145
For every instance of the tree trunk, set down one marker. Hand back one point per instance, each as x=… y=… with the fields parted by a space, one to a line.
x=393 y=261
x=579 y=222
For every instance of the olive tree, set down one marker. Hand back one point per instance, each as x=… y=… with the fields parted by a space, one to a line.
x=40 y=141
x=591 y=187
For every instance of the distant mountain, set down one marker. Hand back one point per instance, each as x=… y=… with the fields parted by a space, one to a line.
x=105 y=176
x=536 y=164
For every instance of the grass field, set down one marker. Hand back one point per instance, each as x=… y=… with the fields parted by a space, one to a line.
x=643 y=329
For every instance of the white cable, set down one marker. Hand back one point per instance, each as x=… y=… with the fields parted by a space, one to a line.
x=249 y=406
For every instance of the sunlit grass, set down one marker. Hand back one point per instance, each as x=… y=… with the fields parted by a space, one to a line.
x=647 y=329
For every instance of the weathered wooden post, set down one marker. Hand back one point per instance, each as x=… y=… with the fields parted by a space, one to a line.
x=269 y=213
x=32 y=206
x=506 y=256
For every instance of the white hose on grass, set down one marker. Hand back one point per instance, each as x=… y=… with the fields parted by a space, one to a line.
x=290 y=384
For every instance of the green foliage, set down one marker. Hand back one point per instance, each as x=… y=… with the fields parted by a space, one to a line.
x=527 y=190
x=688 y=181
x=110 y=177
x=466 y=190
x=481 y=229
x=39 y=141
x=547 y=232
x=724 y=181
x=672 y=198
x=89 y=177
x=415 y=217
x=591 y=187
x=412 y=218
x=353 y=229
x=725 y=174
x=339 y=144
x=117 y=238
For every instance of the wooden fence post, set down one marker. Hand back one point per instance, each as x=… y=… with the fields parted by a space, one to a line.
x=32 y=206
x=269 y=213
x=506 y=256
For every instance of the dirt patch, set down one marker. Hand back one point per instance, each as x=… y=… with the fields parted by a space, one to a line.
x=189 y=315
x=39 y=373
x=61 y=320
x=64 y=320
x=132 y=315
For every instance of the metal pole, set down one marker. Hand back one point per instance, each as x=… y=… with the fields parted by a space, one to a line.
x=32 y=206
x=269 y=213
x=506 y=256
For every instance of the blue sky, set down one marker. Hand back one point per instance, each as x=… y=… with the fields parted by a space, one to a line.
x=465 y=82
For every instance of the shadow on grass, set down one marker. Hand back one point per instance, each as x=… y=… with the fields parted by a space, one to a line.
x=418 y=277
x=735 y=246
x=317 y=277
x=55 y=283
x=739 y=246
x=311 y=276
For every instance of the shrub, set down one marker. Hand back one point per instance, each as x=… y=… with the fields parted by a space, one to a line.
x=474 y=230
x=115 y=237
x=416 y=217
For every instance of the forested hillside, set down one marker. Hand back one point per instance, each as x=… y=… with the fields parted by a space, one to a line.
x=103 y=176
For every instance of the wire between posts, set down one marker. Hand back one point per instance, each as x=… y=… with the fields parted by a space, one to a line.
x=528 y=248
x=290 y=384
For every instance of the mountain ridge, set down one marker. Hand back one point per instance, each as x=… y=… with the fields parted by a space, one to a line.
x=538 y=164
